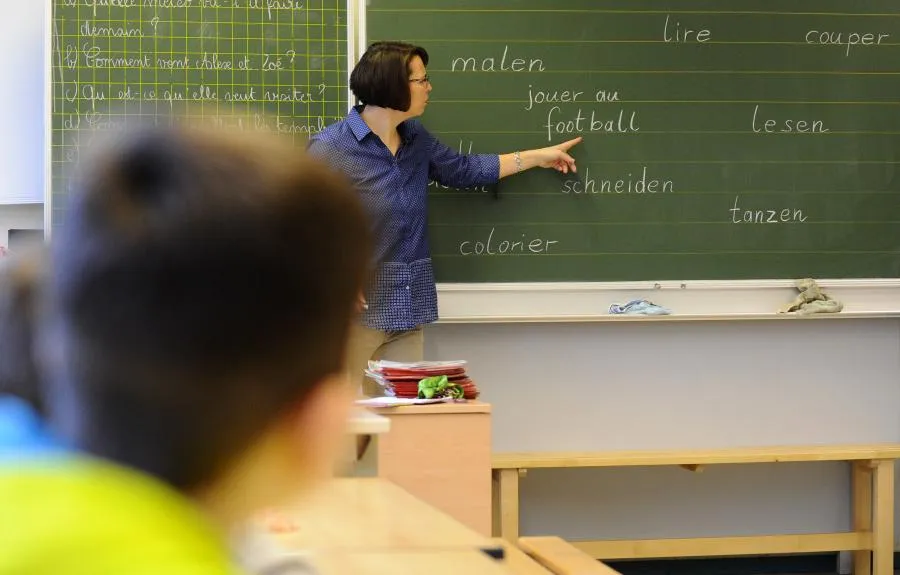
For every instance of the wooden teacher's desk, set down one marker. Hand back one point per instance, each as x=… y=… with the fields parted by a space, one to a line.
x=365 y=422
x=441 y=454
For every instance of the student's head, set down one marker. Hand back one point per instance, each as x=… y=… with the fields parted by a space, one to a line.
x=20 y=281
x=392 y=75
x=200 y=296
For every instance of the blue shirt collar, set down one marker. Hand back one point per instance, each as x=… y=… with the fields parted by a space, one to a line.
x=360 y=129
x=357 y=124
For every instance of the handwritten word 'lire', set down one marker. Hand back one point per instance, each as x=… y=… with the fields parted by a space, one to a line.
x=675 y=32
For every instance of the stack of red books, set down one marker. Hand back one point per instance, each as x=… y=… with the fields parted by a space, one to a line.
x=402 y=379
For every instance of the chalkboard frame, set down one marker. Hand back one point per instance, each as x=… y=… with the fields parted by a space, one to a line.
x=689 y=300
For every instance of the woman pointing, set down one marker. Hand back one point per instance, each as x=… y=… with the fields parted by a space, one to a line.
x=390 y=158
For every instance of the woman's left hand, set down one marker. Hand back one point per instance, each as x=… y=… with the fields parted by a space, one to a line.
x=557 y=157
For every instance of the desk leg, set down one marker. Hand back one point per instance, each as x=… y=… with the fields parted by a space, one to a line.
x=506 y=504
x=862 y=512
x=883 y=518
x=365 y=456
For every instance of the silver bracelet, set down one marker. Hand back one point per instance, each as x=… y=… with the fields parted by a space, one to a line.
x=518 y=159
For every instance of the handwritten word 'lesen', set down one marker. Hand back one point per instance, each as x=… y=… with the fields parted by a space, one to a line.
x=787 y=126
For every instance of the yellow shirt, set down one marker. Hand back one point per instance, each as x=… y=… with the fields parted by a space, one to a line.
x=79 y=516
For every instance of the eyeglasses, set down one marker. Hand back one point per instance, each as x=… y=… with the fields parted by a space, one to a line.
x=421 y=81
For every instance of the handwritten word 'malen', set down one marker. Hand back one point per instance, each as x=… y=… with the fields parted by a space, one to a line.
x=506 y=64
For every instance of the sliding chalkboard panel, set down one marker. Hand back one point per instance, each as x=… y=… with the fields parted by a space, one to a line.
x=722 y=140
x=278 y=65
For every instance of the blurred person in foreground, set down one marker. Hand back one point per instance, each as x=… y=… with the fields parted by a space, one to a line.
x=197 y=308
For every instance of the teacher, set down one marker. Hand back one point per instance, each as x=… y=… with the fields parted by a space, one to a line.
x=390 y=158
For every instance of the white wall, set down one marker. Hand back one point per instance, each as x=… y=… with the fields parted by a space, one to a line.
x=22 y=102
x=27 y=216
x=692 y=385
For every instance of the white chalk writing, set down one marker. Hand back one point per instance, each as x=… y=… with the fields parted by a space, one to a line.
x=767 y=215
x=629 y=184
x=506 y=63
x=675 y=32
x=516 y=244
x=787 y=125
x=623 y=122
x=845 y=40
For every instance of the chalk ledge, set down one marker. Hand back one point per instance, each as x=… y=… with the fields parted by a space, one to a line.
x=744 y=300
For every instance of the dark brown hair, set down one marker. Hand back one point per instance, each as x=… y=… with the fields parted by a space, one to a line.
x=202 y=284
x=381 y=77
x=21 y=277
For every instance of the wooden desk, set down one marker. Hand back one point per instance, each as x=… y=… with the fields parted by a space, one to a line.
x=372 y=514
x=408 y=563
x=365 y=422
x=441 y=453
x=363 y=426
x=518 y=562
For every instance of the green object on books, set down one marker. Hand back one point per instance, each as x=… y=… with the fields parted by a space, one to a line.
x=438 y=386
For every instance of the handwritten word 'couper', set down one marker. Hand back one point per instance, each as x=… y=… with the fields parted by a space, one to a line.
x=849 y=39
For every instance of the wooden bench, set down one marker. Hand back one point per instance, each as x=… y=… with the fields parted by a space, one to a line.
x=871 y=538
x=562 y=558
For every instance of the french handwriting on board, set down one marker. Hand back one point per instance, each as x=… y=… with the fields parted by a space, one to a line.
x=123 y=59
x=755 y=131
x=271 y=65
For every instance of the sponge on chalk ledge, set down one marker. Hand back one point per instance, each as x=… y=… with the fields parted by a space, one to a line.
x=811 y=299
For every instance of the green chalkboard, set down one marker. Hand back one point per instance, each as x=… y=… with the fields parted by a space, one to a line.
x=278 y=65
x=722 y=140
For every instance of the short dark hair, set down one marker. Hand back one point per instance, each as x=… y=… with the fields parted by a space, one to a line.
x=21 y=277
x=202 y=284
x=381 y=77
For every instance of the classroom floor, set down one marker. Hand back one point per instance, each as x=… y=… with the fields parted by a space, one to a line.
x=715 y=570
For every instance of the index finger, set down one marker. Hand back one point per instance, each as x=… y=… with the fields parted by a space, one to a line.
x=566 y=145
